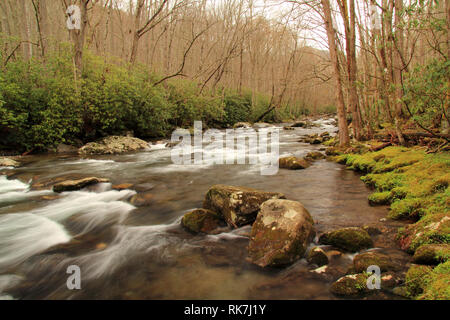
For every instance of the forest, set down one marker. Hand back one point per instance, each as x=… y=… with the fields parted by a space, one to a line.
x=362 y=85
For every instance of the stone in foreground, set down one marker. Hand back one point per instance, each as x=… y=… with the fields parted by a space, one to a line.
x=114 y=145
x=73 y=185
x=349 y=239
x=280 y=234
x=202 y=220
x=350 y=285
x=237 y=205
x=293 y=163
x=317 y=256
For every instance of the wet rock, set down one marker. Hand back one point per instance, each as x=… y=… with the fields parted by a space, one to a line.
x=324 y=134
x=202 y=220
x=317 y=256
x=349 y=239
x=237 y=205
x=142 y=199
x=363 y=260
x=114 y=145
x=432 y=254
x=280 y=233
x=122 y=186
x=242 y=125
x=6 y=162
x=372 y=230
x=73 y=185
x=288 y=128
x=350 y=285
x=293 y=163
x=315 y=155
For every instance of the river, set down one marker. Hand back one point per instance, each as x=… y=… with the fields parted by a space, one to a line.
x=128 y=252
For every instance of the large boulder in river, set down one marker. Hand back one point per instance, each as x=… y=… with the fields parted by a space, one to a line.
x=349 y=239
x=202 y=220
x=6 y=162
x=293 y=163
x=280 y=234
x=72 y=185
x=237 y=205
x=114 y=145
x=350 y=285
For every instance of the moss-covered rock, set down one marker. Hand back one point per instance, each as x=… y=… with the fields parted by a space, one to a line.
x=433 y=228
x=333 y=151
x=380 y=198
x=362 y=261
x=437 y=283
x=416 y=279
x=114 y=145
x=317 y=256
x=202 y=220
x=293 y=163
x=350 y=239
x=280 y=234
x=237 y=205
x=432 y=254
x=72 y=185
x=315 y=155
x=350 y=285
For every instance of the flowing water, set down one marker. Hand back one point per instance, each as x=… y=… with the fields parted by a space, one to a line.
x=128 y=252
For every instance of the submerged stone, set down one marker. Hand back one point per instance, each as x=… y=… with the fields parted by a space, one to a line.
x=350 y=239
x=237 y=205
x=280 y=234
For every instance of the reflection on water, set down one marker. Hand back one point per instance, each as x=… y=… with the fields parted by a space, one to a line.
x=128 y=252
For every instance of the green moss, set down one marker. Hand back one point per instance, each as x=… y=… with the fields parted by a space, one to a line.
x=432 y=254
x=437 y=283
x=416 y=279
x=349 y=239
x=380 y=198
x=409 y=208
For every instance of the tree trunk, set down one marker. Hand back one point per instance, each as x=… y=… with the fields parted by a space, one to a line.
x=344 y=138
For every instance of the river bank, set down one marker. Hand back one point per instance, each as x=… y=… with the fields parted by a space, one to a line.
x=414 y=184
